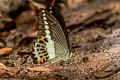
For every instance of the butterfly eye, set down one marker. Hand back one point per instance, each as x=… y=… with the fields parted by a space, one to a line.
x=73 y=51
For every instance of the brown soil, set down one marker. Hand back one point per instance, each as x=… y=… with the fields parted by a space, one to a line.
x=94 y=33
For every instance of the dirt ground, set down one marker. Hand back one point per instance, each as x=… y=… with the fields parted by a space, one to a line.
x=94 y=31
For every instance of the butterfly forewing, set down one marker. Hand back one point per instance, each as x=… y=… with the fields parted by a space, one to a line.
x=56 y=13
x=57 y=31
x=52 y=37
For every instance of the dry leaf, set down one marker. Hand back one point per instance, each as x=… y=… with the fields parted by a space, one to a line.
x=5 y=51
x=25 y=16
x=2 y=66
x=1 y=72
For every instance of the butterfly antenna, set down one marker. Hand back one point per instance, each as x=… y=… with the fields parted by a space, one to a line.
x=53 y=2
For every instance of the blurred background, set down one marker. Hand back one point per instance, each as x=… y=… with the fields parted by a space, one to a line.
x=94 y=30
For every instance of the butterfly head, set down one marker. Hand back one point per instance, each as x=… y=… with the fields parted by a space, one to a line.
x=51 y=9
x=73 y=51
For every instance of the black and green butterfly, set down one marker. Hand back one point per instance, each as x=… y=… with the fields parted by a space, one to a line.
x=52 y=41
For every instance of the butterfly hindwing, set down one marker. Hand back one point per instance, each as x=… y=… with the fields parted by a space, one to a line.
x=40 y=50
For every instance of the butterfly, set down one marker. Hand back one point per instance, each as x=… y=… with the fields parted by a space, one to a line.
x=52 y=43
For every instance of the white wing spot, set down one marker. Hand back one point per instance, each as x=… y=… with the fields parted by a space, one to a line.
x=47 y=32
x=50 y=7
x=48 y=36
x=50 y=11
x=43 y=10
x=44 y=18
x=44 y=14
x=46 y=27
x=45 y=22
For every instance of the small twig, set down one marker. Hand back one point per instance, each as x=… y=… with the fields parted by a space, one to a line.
x=44 y=69
x=53 y=2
